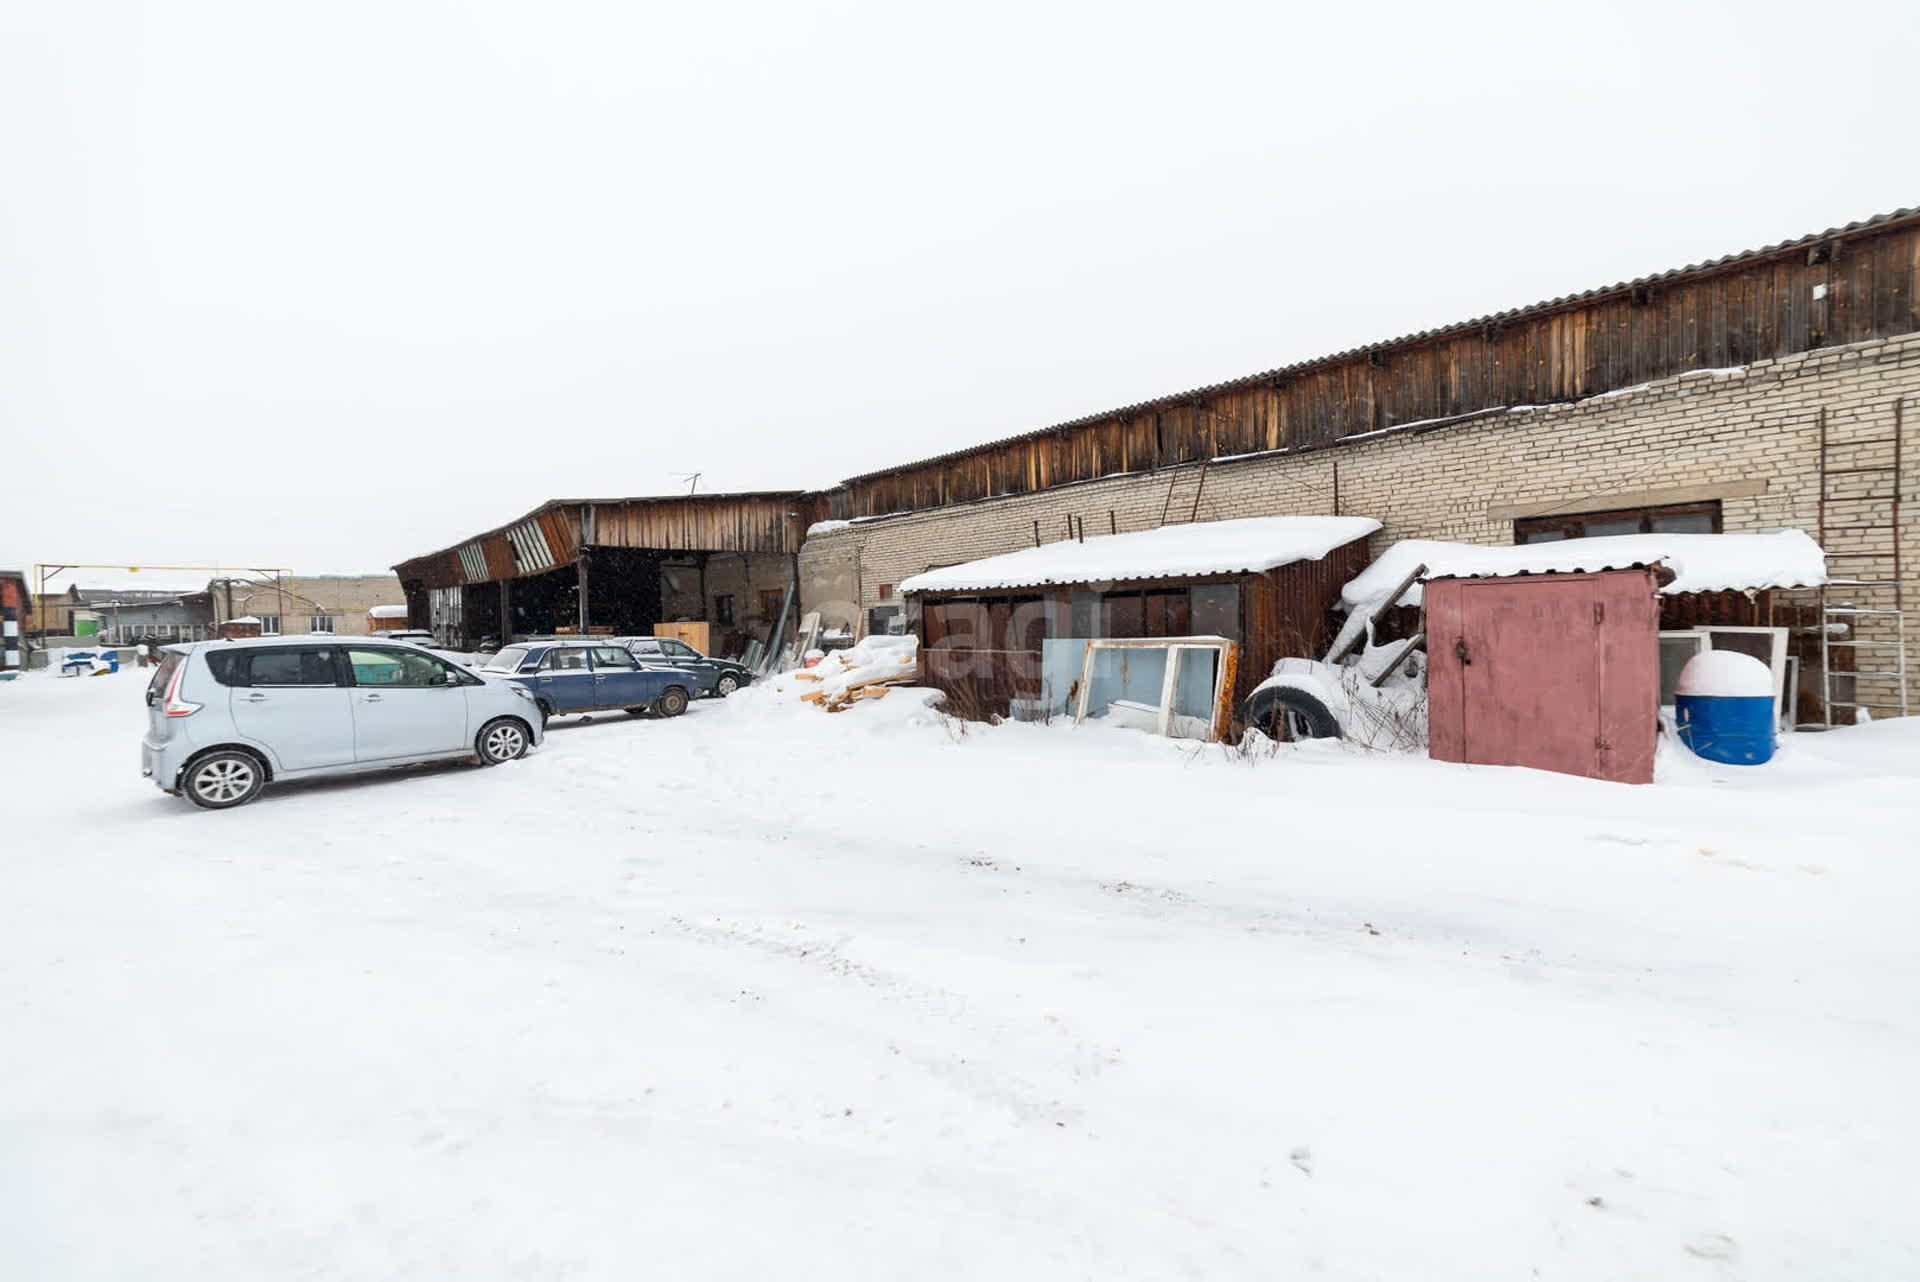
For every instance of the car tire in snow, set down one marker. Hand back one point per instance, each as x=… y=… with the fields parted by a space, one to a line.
x=671 y=703
x=726 y=685
x=224 y=779
x=1285 y=714
x=501 y=739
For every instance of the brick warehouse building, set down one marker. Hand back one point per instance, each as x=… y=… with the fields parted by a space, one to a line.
x=1697 y=399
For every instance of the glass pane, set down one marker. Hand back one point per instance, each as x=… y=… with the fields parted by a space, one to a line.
x=1216 y=610
x=395 y=668
x=1542 y=536
x=1084 y=620
x=292 y=668
x=1674 y=653
x=508 y=660
x=1684 y=523
x=1126 y=616
x=1601 y=529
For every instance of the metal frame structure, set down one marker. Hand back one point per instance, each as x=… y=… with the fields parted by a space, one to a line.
x=1834 y=615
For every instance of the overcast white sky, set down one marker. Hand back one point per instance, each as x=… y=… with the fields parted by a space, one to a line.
x=327 y=286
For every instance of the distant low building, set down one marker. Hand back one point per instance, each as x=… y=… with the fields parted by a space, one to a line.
x=338 y=604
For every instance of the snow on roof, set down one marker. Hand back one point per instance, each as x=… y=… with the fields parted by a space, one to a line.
x=1700 y=562
x=245 y=618
x=387 y=612
x=1251 y=544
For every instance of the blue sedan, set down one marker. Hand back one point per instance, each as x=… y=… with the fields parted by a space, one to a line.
x=582 y=676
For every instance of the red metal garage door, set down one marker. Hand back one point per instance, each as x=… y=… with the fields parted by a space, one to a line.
x=1554 y=671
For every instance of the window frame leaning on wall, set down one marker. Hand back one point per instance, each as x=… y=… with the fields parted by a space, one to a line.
x=1225 y=669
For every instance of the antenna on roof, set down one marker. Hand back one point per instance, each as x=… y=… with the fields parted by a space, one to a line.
x=691 y=478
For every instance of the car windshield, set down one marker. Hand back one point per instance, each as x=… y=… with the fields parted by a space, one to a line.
x=508 y=660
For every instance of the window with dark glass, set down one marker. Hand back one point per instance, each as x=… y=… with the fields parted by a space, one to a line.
x=1215 y=610
x=723 y=610
x=1684 y=518
x=309 y=666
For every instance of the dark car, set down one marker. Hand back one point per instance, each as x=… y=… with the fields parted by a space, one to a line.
x=589 y=676
x=718 y=677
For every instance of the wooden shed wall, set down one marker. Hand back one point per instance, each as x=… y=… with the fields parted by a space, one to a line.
x=984 y=648
x=1758 y=307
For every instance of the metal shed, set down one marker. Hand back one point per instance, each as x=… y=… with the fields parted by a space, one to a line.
x=1554 y=671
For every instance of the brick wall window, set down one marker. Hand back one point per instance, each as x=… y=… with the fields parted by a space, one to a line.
x=320 y=623
x=723 y=611
x=1685 y=518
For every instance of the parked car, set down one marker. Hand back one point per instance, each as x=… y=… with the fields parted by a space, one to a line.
x=589 y=676
x=226 y=718
x=718 y=677
x=418 y=635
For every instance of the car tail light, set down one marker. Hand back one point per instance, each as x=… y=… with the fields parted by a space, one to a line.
x=173 y=705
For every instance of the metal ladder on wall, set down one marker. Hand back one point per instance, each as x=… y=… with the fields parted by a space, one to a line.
x=1873 y=593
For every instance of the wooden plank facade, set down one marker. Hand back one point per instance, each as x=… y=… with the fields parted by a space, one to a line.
x=1845 y=286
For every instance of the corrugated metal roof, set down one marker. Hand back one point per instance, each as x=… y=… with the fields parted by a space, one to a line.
x=1299 y=367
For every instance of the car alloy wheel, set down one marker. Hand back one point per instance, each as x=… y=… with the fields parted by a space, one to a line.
x=726 y=685
x=224 y=780
x=502 y=740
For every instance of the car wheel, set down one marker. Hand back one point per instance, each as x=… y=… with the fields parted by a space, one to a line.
x=672 y=702
x=727 y=684
x=222 y=780
x=501 y=739
x=1287 y=714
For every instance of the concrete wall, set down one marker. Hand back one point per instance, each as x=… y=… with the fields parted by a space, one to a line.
x=1747 y=437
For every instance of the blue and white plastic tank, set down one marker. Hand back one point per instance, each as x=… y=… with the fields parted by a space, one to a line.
x=1723 y=708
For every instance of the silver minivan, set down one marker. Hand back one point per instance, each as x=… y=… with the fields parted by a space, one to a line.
x=226 y=718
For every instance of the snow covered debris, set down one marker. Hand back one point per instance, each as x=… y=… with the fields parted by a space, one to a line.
x=388 y=612
x=841 y=677
x=1700 y=562
x=760 y=993
x=1247 y=545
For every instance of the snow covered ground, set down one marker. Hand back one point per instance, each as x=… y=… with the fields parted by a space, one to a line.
x=764 y=992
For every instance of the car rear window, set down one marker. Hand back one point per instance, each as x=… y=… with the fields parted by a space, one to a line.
x=169 y=661
x=226 y=667
x=508 y=660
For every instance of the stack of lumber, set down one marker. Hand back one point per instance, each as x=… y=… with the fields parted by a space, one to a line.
x=867 y=671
